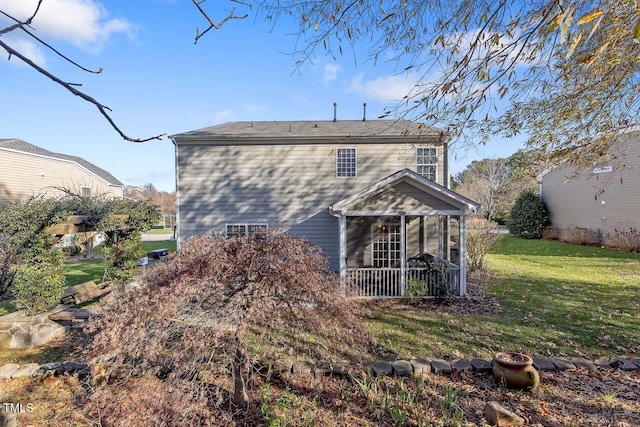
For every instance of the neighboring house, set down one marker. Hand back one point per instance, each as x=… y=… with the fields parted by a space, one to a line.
x=372 y=194
x=27 y=170
x=602 y=199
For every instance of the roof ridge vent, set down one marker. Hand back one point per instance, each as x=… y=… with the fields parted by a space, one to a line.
x=335 y=111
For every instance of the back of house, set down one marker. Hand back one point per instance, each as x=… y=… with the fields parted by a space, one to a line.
x=600 y=200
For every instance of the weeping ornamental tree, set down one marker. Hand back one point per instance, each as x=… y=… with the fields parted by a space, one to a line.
x=30 y=263
x=222 y=302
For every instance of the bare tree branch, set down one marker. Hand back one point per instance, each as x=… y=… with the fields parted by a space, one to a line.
x=69 y=86
x=212 y=24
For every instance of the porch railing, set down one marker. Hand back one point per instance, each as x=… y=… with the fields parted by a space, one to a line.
x=419 y=282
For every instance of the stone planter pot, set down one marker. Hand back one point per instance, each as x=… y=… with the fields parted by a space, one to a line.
x=515 y=370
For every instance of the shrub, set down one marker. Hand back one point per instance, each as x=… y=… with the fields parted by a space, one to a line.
x=550 y=233
x=626 y=240
x=528 y=216
x=7 y=265
x=578 y=235
x=482 y=236
x=220 y=302
x=39 y=283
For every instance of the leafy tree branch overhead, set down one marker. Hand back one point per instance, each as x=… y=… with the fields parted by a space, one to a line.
x=563 y=73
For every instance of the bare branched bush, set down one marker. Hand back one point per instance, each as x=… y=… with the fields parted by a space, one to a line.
x=482 y=235
x=550 y=233
x=575 y=235
x=627 y=240
x=216 y=306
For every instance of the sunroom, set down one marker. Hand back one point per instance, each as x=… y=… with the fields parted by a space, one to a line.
x=403 y=236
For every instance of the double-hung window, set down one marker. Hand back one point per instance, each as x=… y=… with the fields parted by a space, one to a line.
x=427 y=162
x=246 y=229
x=346 y=162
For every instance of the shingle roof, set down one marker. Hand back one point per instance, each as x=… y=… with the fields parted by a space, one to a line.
x=312 y=129
x=25 y=147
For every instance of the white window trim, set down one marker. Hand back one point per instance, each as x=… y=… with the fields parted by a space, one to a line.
x=355 y=167
x=435 y=165
x=245 y=225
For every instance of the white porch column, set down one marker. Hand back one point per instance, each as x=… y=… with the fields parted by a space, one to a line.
x=343 y=251
x=440 y=237
x=403 y=254
x=463 y=255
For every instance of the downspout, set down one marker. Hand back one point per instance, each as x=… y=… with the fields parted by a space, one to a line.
x=177 y=169
x=342 y=236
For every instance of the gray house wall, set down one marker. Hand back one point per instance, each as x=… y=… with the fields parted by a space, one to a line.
x=602 y=201
x=287 y=185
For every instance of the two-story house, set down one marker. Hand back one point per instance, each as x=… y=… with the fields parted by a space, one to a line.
x=373 y=194
x=27 y=170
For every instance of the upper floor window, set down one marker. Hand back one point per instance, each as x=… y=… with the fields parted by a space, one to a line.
x=246 y=229
x=85 y=191
x=346 y=162
x=427 y=162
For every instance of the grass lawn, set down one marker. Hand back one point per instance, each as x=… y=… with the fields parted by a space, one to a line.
x=159 y=229
x=547 y=298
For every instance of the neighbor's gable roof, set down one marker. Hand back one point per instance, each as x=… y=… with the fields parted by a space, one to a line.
x=24 y=147
x=286 y=131
x=414 y=179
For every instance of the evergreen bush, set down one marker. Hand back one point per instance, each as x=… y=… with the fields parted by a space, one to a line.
x=529 y=216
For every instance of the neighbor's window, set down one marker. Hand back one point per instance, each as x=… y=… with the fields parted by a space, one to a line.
x=427 y=162
x=85 y=191
x=246 y=229
x=346 y=162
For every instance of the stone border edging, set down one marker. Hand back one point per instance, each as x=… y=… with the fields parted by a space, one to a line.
x=400 y=368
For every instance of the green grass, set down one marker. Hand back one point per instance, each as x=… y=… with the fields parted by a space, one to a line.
x=161 y=244
x=556 y=299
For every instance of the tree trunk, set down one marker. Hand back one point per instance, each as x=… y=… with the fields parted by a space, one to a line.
x=240 y=397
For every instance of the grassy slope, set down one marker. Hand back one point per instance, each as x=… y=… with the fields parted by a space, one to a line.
x=556 y=299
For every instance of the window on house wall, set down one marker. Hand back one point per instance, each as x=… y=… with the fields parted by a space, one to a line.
x=427 y=162
x=85 y=191
x=246 y=229
x=346 y=162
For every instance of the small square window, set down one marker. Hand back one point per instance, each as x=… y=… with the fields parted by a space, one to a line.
x=346 y=162
x=85 y=191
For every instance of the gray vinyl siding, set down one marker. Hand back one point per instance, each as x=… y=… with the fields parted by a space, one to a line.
x=24 y=175
x=289 y=187
x=601 y=202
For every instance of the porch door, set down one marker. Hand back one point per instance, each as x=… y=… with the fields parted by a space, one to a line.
x=385 y=248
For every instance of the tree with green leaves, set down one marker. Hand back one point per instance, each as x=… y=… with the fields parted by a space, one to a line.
x=529 y=215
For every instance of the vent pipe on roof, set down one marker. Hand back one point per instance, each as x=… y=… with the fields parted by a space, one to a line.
x=364 y=112
x=335 y=111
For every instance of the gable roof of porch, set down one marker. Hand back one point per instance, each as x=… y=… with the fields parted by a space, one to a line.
x=404 y=193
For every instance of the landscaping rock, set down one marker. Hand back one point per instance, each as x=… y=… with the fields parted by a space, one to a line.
x=439 y=366
x=481 y=365
x=563 y=364
x=322 y=368
x=603 y=362
x=584 y=364
x=542 y=364
x=420 y=367
x=7 y=419
x=623 y=364
x=498 y=415
x=402 y=368
x=379 y=369
x=283 y=366
x=302 y=368
x=7 y=370
x=636 y=362
x=25 y=370
x=461 y=365
x=341 y=369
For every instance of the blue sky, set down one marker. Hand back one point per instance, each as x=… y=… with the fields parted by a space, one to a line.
x=157 y=81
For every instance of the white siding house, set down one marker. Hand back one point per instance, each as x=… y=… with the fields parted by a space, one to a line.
x=602 y=199
x=27 y=170
x=373 y=194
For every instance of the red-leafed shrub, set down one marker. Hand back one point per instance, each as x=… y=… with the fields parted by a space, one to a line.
x=222 y=303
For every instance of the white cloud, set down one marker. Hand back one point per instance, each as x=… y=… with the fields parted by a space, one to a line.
x=330 y=73
x=386 y=88
x=84 y=23
x=223 y=116
x=26 y=48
